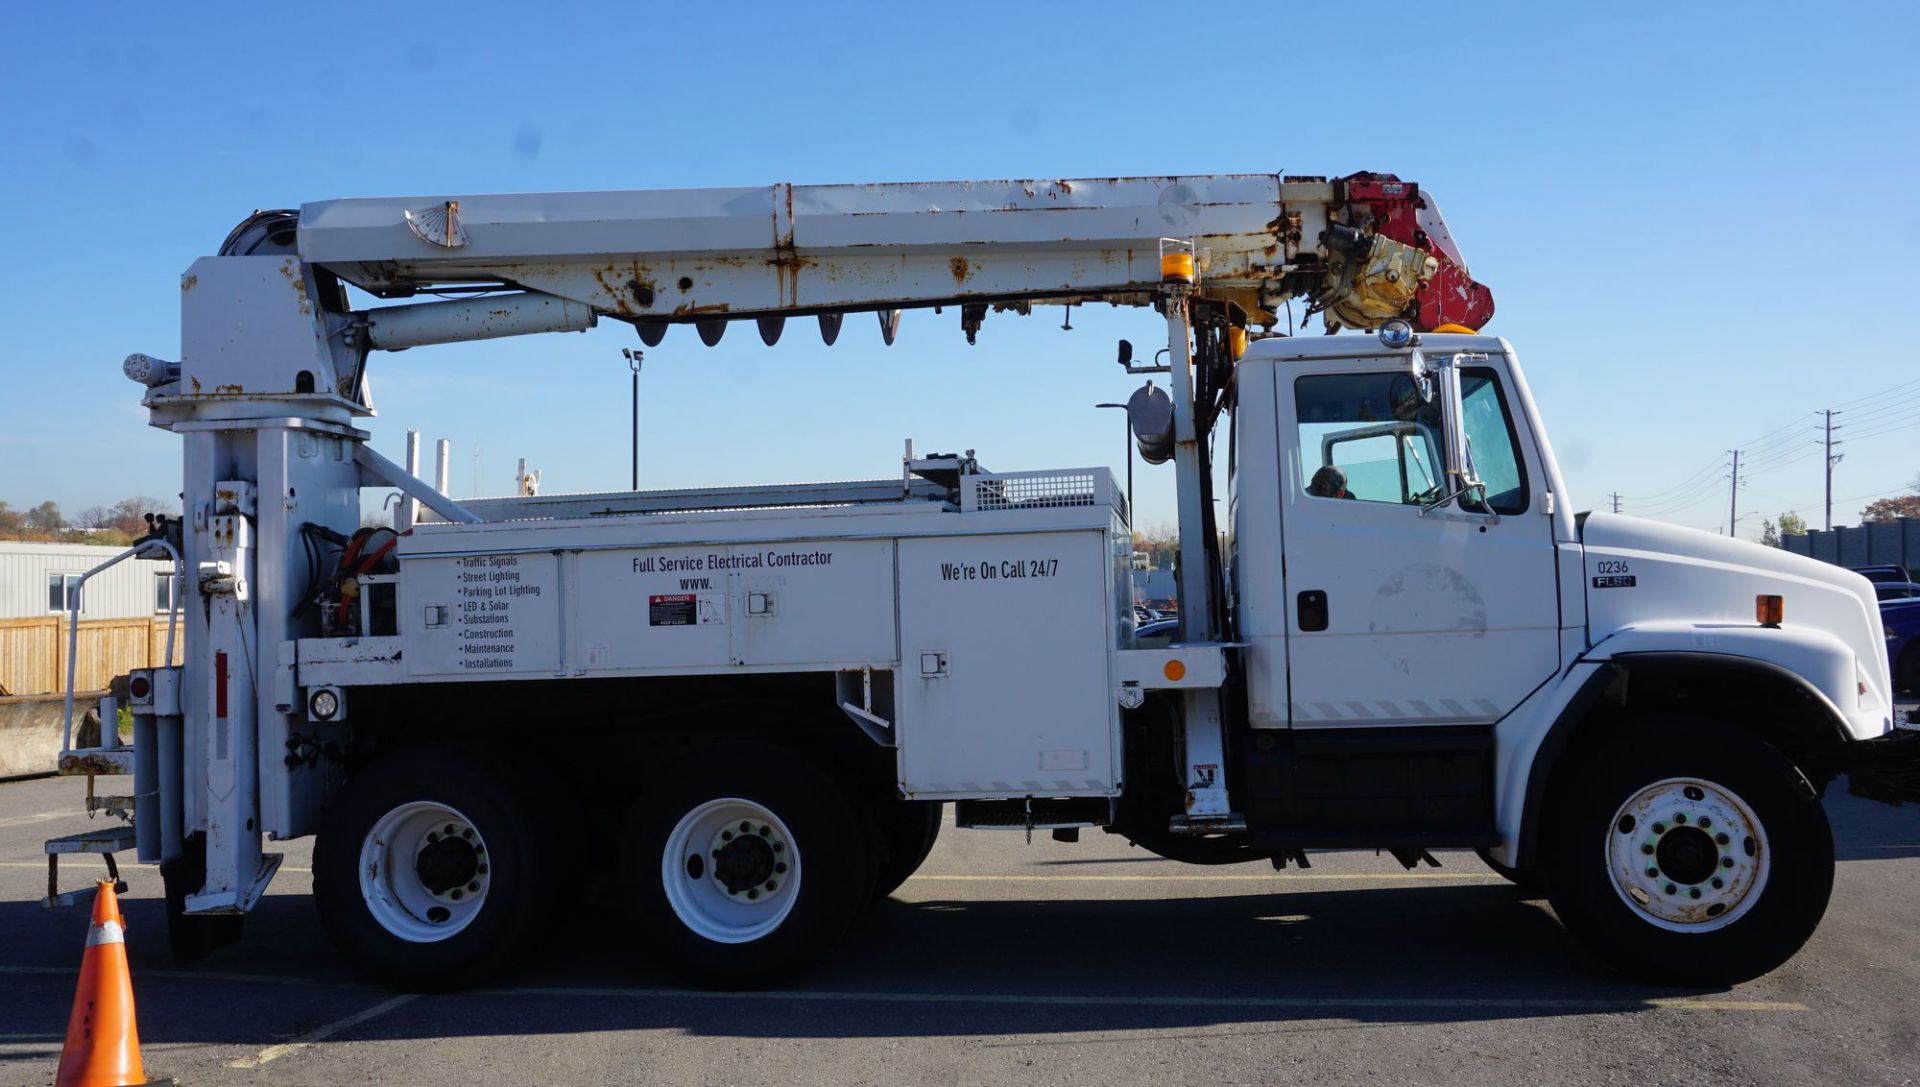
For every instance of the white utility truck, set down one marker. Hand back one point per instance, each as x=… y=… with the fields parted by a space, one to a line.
x=748 y=707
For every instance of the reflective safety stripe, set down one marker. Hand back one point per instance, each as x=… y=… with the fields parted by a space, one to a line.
x=106 y=932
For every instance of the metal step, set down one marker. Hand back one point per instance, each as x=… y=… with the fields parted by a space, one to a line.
x=106 y=841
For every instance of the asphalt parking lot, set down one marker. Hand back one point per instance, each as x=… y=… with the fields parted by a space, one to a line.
x=1005 y=963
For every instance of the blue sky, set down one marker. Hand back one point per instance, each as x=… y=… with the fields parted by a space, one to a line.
x=1698 y=220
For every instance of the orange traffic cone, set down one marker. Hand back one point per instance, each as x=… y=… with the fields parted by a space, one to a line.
x=103 y=1046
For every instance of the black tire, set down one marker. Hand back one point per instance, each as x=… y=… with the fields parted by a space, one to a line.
x=1527 y=879
x=519 y=872
x=1766 y=931
x=906 y=833
x=832 y=883
x=1906 y=673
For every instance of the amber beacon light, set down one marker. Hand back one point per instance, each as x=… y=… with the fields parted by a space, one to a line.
x=1769 y=611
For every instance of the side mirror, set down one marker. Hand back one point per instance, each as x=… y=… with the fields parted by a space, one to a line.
x=1126 y=352
x=1422 y=381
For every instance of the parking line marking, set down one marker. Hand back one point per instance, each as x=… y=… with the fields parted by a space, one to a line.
x=1476 y=877
x=198 y=975
x=38 y=817
x=1598 y=1004
x=321 y=1033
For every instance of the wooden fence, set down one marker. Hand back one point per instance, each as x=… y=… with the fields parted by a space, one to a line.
x=33 y=652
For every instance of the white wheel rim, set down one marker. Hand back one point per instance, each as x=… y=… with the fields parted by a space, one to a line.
x=412 y=862
x=731 y=871
x=1687 y=855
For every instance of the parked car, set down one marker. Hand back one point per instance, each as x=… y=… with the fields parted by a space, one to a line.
x=1902 y=621
x=1896 y=590
x=1888 y=572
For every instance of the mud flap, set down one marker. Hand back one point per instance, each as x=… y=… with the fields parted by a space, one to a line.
x=192 y=938
x=1886 y=768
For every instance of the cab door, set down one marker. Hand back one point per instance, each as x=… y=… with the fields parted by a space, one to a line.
x=1407 y=607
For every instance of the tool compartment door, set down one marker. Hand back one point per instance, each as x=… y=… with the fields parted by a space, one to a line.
x=1004 y=647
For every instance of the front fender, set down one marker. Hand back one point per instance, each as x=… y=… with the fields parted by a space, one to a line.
x=1816 y=660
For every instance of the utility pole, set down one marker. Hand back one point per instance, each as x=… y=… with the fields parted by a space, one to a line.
x=1831 y=461
x=1616 y=501
x=1733 y=495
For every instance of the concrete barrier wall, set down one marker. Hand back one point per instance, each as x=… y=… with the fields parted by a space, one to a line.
x=31 y=728
x=1889 y=542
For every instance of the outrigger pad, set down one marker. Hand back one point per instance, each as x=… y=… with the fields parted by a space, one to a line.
x=1886 y=768
x=191 y=938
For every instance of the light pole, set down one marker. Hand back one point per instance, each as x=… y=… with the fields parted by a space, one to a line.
x=634 y=359
x=1129 y=440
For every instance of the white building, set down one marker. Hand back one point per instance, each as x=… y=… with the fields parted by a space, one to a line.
x=39 y=579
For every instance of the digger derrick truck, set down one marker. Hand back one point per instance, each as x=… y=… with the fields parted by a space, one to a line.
x=752 y=706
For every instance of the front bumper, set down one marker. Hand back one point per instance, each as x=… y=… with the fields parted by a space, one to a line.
x=1886 y=768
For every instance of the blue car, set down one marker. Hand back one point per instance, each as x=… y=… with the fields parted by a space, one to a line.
x=1902 y=620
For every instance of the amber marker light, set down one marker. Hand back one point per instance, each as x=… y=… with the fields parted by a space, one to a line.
x=1175 y=670
x=1176 y=261
x=1769 y=611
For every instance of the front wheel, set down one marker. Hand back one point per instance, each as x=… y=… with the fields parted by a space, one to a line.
x=1691 y=853
x=743 y=864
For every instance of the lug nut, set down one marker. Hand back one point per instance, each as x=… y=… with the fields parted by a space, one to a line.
x=455 y=895
x=726 y=836
x=1670 y=888
x=1718 y=883
x=753 y=892
x=1659 y=828
x=779 y=847
x=451 y=828
x=433 y=836
x=467 y=834
x=1704 y=822
x=1693 y=892
x=780 y=867
x=1647 y=849
x=482 y=869
x=474 y=886
x=1726 y=862
x=1653 y=872
x=746 y=827
x=771 y=884
x=1680 y=817
x=1722 y=838
x=764 y=831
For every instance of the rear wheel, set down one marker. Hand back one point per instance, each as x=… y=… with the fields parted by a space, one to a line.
x=907 y=831
x=428 y=873
x=1692 y=853
x=743 y=865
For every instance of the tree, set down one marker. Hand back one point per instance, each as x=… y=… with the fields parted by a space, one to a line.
x=46 y=517
x=10 y=520
x=1891 y=509
x=1769 y=535
x=1792 y=524
x=129 y=515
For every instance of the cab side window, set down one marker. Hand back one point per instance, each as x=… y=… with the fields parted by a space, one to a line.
x=1369 y=438
x=1490 y=442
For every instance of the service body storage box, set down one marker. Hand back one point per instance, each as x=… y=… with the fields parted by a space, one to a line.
x=994 y=613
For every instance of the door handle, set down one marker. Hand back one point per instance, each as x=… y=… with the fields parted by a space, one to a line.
x=1312 y=610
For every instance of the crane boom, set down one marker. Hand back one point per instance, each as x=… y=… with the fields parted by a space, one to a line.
x=1365 y=248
